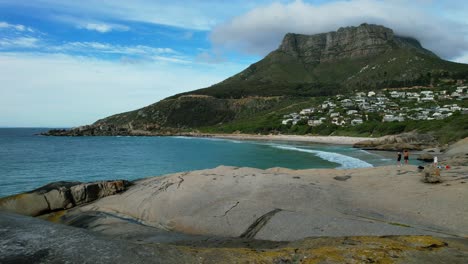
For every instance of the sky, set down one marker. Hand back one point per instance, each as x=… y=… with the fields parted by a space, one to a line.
x=66 y=63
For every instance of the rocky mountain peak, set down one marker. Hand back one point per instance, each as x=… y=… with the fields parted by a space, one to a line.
x=347 y=42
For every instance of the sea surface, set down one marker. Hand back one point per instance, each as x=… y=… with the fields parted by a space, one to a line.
x=28 y=161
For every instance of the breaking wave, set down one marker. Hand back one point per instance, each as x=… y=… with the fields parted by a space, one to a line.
x=346 y=162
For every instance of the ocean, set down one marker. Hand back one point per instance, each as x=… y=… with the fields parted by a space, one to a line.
x=28 y=161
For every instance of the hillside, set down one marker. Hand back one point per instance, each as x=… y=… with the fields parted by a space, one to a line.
x=363 y=58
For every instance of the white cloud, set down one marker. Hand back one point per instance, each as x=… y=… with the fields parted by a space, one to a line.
x=209 y=57
x=90 y=24
x=19 y=42
x=17 y=27
x=193 y=14
x=103 y=27
x=136 y=53
x=261 y=29
x=462 y=59
x=62 y=90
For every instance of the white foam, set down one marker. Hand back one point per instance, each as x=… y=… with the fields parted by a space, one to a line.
x=210 y=139
x=346 y=162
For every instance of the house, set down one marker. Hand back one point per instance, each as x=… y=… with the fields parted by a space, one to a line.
x=295 y=115
x=443 y=109
x=370 y=94
x=334 y=114
x=427 y=98
x=455 y=107
x=427 y=93
x=395 y=94
x=351 y=112
x=356 y=121
x=338 y=122
x=315 y=122
x=391 y=118
x=347 y=103
x=306 y=111
x=461 y=89
x=286 y=121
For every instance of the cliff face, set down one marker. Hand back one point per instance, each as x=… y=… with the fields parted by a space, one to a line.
x=346 y=43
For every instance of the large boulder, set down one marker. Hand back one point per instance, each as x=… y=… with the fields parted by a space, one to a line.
x=431 y=174
x=426 y=157
x=457 y=154
x=59 y=196
x=410 y=141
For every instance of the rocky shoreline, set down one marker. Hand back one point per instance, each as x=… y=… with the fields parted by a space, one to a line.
x=410 y=141
x=246 y=214
x=230 y=214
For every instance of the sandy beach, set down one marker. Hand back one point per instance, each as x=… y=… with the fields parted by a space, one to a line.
x=338 y=140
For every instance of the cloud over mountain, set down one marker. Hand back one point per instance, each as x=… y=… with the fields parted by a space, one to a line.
x=261 y=29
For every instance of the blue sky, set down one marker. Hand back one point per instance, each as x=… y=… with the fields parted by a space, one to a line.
x=69 y=63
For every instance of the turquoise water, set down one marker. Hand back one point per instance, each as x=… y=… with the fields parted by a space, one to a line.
x=28 y=161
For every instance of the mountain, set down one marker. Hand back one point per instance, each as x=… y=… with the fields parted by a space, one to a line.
x=367 y=57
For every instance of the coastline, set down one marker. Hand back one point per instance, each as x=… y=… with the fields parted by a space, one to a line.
x=335 y=140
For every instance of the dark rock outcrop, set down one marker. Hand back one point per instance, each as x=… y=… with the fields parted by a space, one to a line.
x=409 y=141
x=59 y=196
x=346 y=43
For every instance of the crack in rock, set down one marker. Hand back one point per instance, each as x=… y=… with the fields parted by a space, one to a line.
x=232 y=207
x=165 y=185
x=256 y=226
x=180 y=182
x=47 y=201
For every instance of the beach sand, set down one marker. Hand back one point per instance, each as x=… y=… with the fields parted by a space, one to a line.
x=338 y=140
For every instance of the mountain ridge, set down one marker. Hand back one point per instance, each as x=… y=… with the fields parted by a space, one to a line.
x=364 y=58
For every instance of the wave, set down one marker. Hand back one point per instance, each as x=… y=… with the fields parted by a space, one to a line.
x=346 y=162
x=210 y=139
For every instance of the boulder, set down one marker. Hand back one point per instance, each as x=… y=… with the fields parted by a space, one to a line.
x=32 y=204
x=456 y=154
x=59 y=196
x=431 y=174
x=88 y=192
x=426 y=157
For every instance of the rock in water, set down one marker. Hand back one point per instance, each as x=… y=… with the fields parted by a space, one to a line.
x=59 y=196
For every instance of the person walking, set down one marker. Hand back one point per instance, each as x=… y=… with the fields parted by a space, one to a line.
x=435 y=161
x=399 y=159
x=406 y=156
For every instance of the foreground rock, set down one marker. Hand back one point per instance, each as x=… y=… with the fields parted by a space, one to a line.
x=457 y=154
x=29 y=240
x=285 y=205
x=431 y=174
x=410 y=141
x=59 y=196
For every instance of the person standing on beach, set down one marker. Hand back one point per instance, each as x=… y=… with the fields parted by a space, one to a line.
x=399 y=159
x=406 y=156
x=435 y=161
